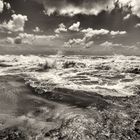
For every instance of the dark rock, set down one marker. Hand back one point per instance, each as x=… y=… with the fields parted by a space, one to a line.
x=135 y=71
x=12 y=133
x=69 y=64
x=137 y=127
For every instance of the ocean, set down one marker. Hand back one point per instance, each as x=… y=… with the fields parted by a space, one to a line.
x=72 y=97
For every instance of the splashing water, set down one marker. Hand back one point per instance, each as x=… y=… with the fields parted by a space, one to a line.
x=110 y=75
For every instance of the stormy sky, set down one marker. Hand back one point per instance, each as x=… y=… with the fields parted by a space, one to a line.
x=104 y=24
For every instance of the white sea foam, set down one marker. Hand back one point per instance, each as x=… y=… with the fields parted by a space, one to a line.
x=109 y=75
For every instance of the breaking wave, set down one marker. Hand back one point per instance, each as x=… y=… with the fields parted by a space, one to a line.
x=107 y=76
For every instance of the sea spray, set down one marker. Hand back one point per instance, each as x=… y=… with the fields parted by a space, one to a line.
x=110 y=75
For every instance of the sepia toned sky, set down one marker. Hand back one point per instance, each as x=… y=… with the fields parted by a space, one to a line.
x=104 y=24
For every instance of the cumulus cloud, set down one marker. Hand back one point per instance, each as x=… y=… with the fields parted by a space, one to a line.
x=14 y=40
x=136 y=7
x=37 y=30
x=10 y=40
x=131 y=47
x=18 y=39
x=26 y=38
x=34 y=37
x=89 y=33
x=127 y=17
x=30 y=38
x=110 y=44
x=75 y=26
x=61 y=28
x=8 y=6
x=114 y=33
x=46 y=37
x=78 y=42
x=74 y=43
x=137 y=25
x=134 y=4
x=89 y=44
x=1 y=6
x=16 y=24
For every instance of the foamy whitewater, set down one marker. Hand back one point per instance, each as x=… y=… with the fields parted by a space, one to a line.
x=105 y=75
x=70 y=97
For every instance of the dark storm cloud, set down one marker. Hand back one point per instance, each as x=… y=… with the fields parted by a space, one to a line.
x=73 y=7
x=95 y=14
x=88 y=7
x=90 y=13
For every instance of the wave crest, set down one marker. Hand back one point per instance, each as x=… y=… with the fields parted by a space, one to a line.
x=108 y=75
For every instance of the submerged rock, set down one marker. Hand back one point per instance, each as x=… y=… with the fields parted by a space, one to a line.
x=72 y=64
x=135 y=71
x=102 y=67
